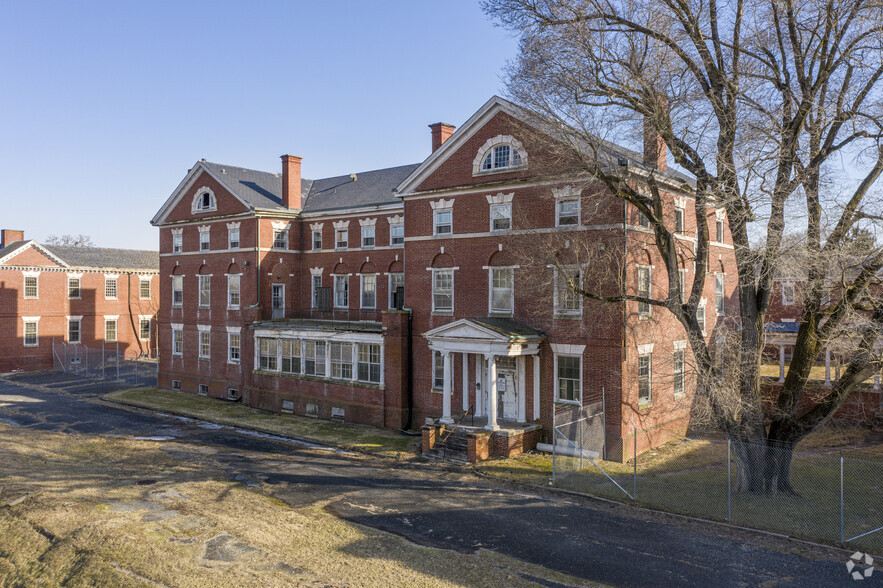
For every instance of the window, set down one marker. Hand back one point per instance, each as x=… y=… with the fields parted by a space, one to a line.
x=501 y=217
x=567 y=301
x=73 y=330
x=567 y=212
x=719 y=230
x=280 y=239
x=73 y=288
x=643 y=221
x=341 y=238
x=233 y=291
x=369 y=363
x=144 y=329
x=144 y=288
x=177 y=290
x=317 y=283
x=267 y=354
x=341 y=292
x=396 y=281
x=204 y=242
x=31 y=287
x=679 y=221
x=203 y=389
x=719 y=294
x=369 y=291
x=501 y=157
x=787 y=294
x=569 y=374
x=442 y=222
x=233 y=238
x=501 y=290
x=290 y=356
x=317 y=240
x=438 y=370
x=205 y=345
x=679 y=372
x=176 y=384
x=205 y=291
x=367 y=236
x=682 y=284
x=396 y=234
x=314 y=358
x=110 y=287
x=110 y=330
x=342 y=361
x=178 y=342
x=233 y=347
x=443 y=290
x=700 y=317
x=644 y=378
x=205 y=200
x=177 y=245
x=30 y=333
x=644 y=289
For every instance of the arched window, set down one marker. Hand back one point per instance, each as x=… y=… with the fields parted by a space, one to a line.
x=502 y=153
x=204 y=201
x=501 y=156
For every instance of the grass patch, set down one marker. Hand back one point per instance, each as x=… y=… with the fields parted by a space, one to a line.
x=346 y=435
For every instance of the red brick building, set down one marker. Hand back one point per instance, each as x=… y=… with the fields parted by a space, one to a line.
x=287 y=292
x=76 y=297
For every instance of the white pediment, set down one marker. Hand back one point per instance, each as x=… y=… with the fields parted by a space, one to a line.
x=464 y=329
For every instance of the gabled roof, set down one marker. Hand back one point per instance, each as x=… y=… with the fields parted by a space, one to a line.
x=13 y=249
x=106 y=258
x=372 y=188
x=494 y=329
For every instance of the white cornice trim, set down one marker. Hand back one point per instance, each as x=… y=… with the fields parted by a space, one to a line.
x=316 y=226
x=565 y=349
x=566 y=192
x=341 y=224
x=645 y=349
x=442 y=204
x=395 y=220
x=500 y=198
x=367 y=222
x=231 y=226
x=280 y=225
x=316 y=271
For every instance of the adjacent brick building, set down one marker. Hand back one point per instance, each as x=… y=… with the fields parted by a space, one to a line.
x=77 y=298
x=288 y=292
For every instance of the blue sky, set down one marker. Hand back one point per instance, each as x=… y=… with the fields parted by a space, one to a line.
x=104 y=106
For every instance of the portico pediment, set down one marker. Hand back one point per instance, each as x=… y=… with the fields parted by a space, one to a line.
x=464 y=329
x=496 y=336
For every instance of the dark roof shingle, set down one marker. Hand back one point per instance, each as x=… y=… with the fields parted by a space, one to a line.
x=106 y=258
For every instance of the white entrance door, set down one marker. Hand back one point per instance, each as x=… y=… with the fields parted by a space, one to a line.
x=278 y=300
x=508 y=394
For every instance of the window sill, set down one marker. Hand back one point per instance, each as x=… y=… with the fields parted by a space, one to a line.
x=74 y=298
x=499 y=170
x=499 y=314
x=31 y=345
x=322 y=379
x=205 y=358
x=179 y=355
x=568 y=315
x=442 y=313
x=233 y=307
x=645 y=316
x=645 y=404
x=679 y=395
x=232 y=362
x=437 y=390
x=560 y=402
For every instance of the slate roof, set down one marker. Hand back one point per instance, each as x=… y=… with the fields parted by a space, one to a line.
x=12 y=247
x=106 y=258
x=263 y=190
x=508 y=328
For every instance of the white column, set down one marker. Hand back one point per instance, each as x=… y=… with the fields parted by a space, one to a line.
x=521 y=386
x=354 y=362
x=536 y=387
x=492 y=393
x=465 y=381
x=827 y=367
x=479 y=385
x=446 y=400
x=781 y=363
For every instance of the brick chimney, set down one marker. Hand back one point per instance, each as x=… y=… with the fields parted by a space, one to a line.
x=8 y=236
x=440 y=133
x=655 y=151
x=291 y=194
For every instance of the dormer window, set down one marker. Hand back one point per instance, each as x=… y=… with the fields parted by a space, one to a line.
x=501 y=153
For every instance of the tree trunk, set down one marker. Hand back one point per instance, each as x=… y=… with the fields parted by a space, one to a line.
x=763 y=467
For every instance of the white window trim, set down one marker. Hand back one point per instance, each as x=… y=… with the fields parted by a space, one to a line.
x=788 y=301
x=196 y=206
x=490 y=290
x=435 y=224
x=723 y=284
x=649 y=268
x=25 y=276
x=149 y=319
x=230 y=332
x=362 y=291
x=389 y=288
x=231 y=306
x=26 y=320
x=203 y=329
x=199 y=303
x=116 y=278
x=230 y=228
x=76 y=319
x=449 y=311
x=115 y=319
x=178 y=304
x=334 y=291
x=649 y=355
x=513 y=143
x=563 y=350
x=177 y=327
x=556 y=308
x=565 y=194
x=373 y=230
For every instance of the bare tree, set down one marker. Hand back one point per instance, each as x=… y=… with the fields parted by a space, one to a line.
x=762 y=102
x=70 y=240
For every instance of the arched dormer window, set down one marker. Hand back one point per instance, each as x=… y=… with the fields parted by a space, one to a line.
x=204 y=201
x=502 y=153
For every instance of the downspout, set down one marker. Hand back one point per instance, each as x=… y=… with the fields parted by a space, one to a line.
x=410 y=374
x=132 y=318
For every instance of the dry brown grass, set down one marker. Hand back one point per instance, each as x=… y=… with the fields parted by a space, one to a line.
x=90 y=525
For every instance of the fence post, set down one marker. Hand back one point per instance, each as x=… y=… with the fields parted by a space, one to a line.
x=841 y=497
x=118 y=361
x=604 y=423
x=635 y=474
x=729 y=485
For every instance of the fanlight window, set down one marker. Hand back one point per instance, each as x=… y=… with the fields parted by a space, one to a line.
x=500 y=157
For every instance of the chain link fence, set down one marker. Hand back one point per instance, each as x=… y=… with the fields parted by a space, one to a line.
x=108 y=362
x=815 y=495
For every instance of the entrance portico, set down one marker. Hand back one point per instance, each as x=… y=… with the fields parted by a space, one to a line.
x=500 y=348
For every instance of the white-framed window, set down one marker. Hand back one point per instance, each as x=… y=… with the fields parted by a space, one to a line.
x=368 y=236
x=396 y=281
x=682 y=284
x=144 y=329
x=32 y=290
x=74 y=330
x=501 y=157
x=268 y=357
x=567 y=212
x=644 y=378
x=177 y=341
x=205 y=291
x=442 y=221
x=679 y=220
x=280 y=239
x=31 y=334
x=342 y=361
x=314 y=295
x=233 y=348
x=314 y=358
x=290 y=356
x=177 y=243
x=679 y=371
x=644 y=277
x=643 y=220
x=719 y=230
x=501 y=216
x=205 y=344
x=233 y=283
x=341 y=238
x=176 y=384
x=177 y=291
x=396 y=234
x=369 y=290
x=568 y=376
x=233 y=238
x=438 y=370
x=341 y=292
x=567 y=301
x=501 y=290
x=205 y=243
x=203 y=389
x=719 y=294
x=369 y=363
x=110 y=330
x=700 y=316
x=110 y=287
x=787 y=294
x=144 y=288
x=204 y=200
x=443 y=290
x=74 y=286
x=317 y=240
